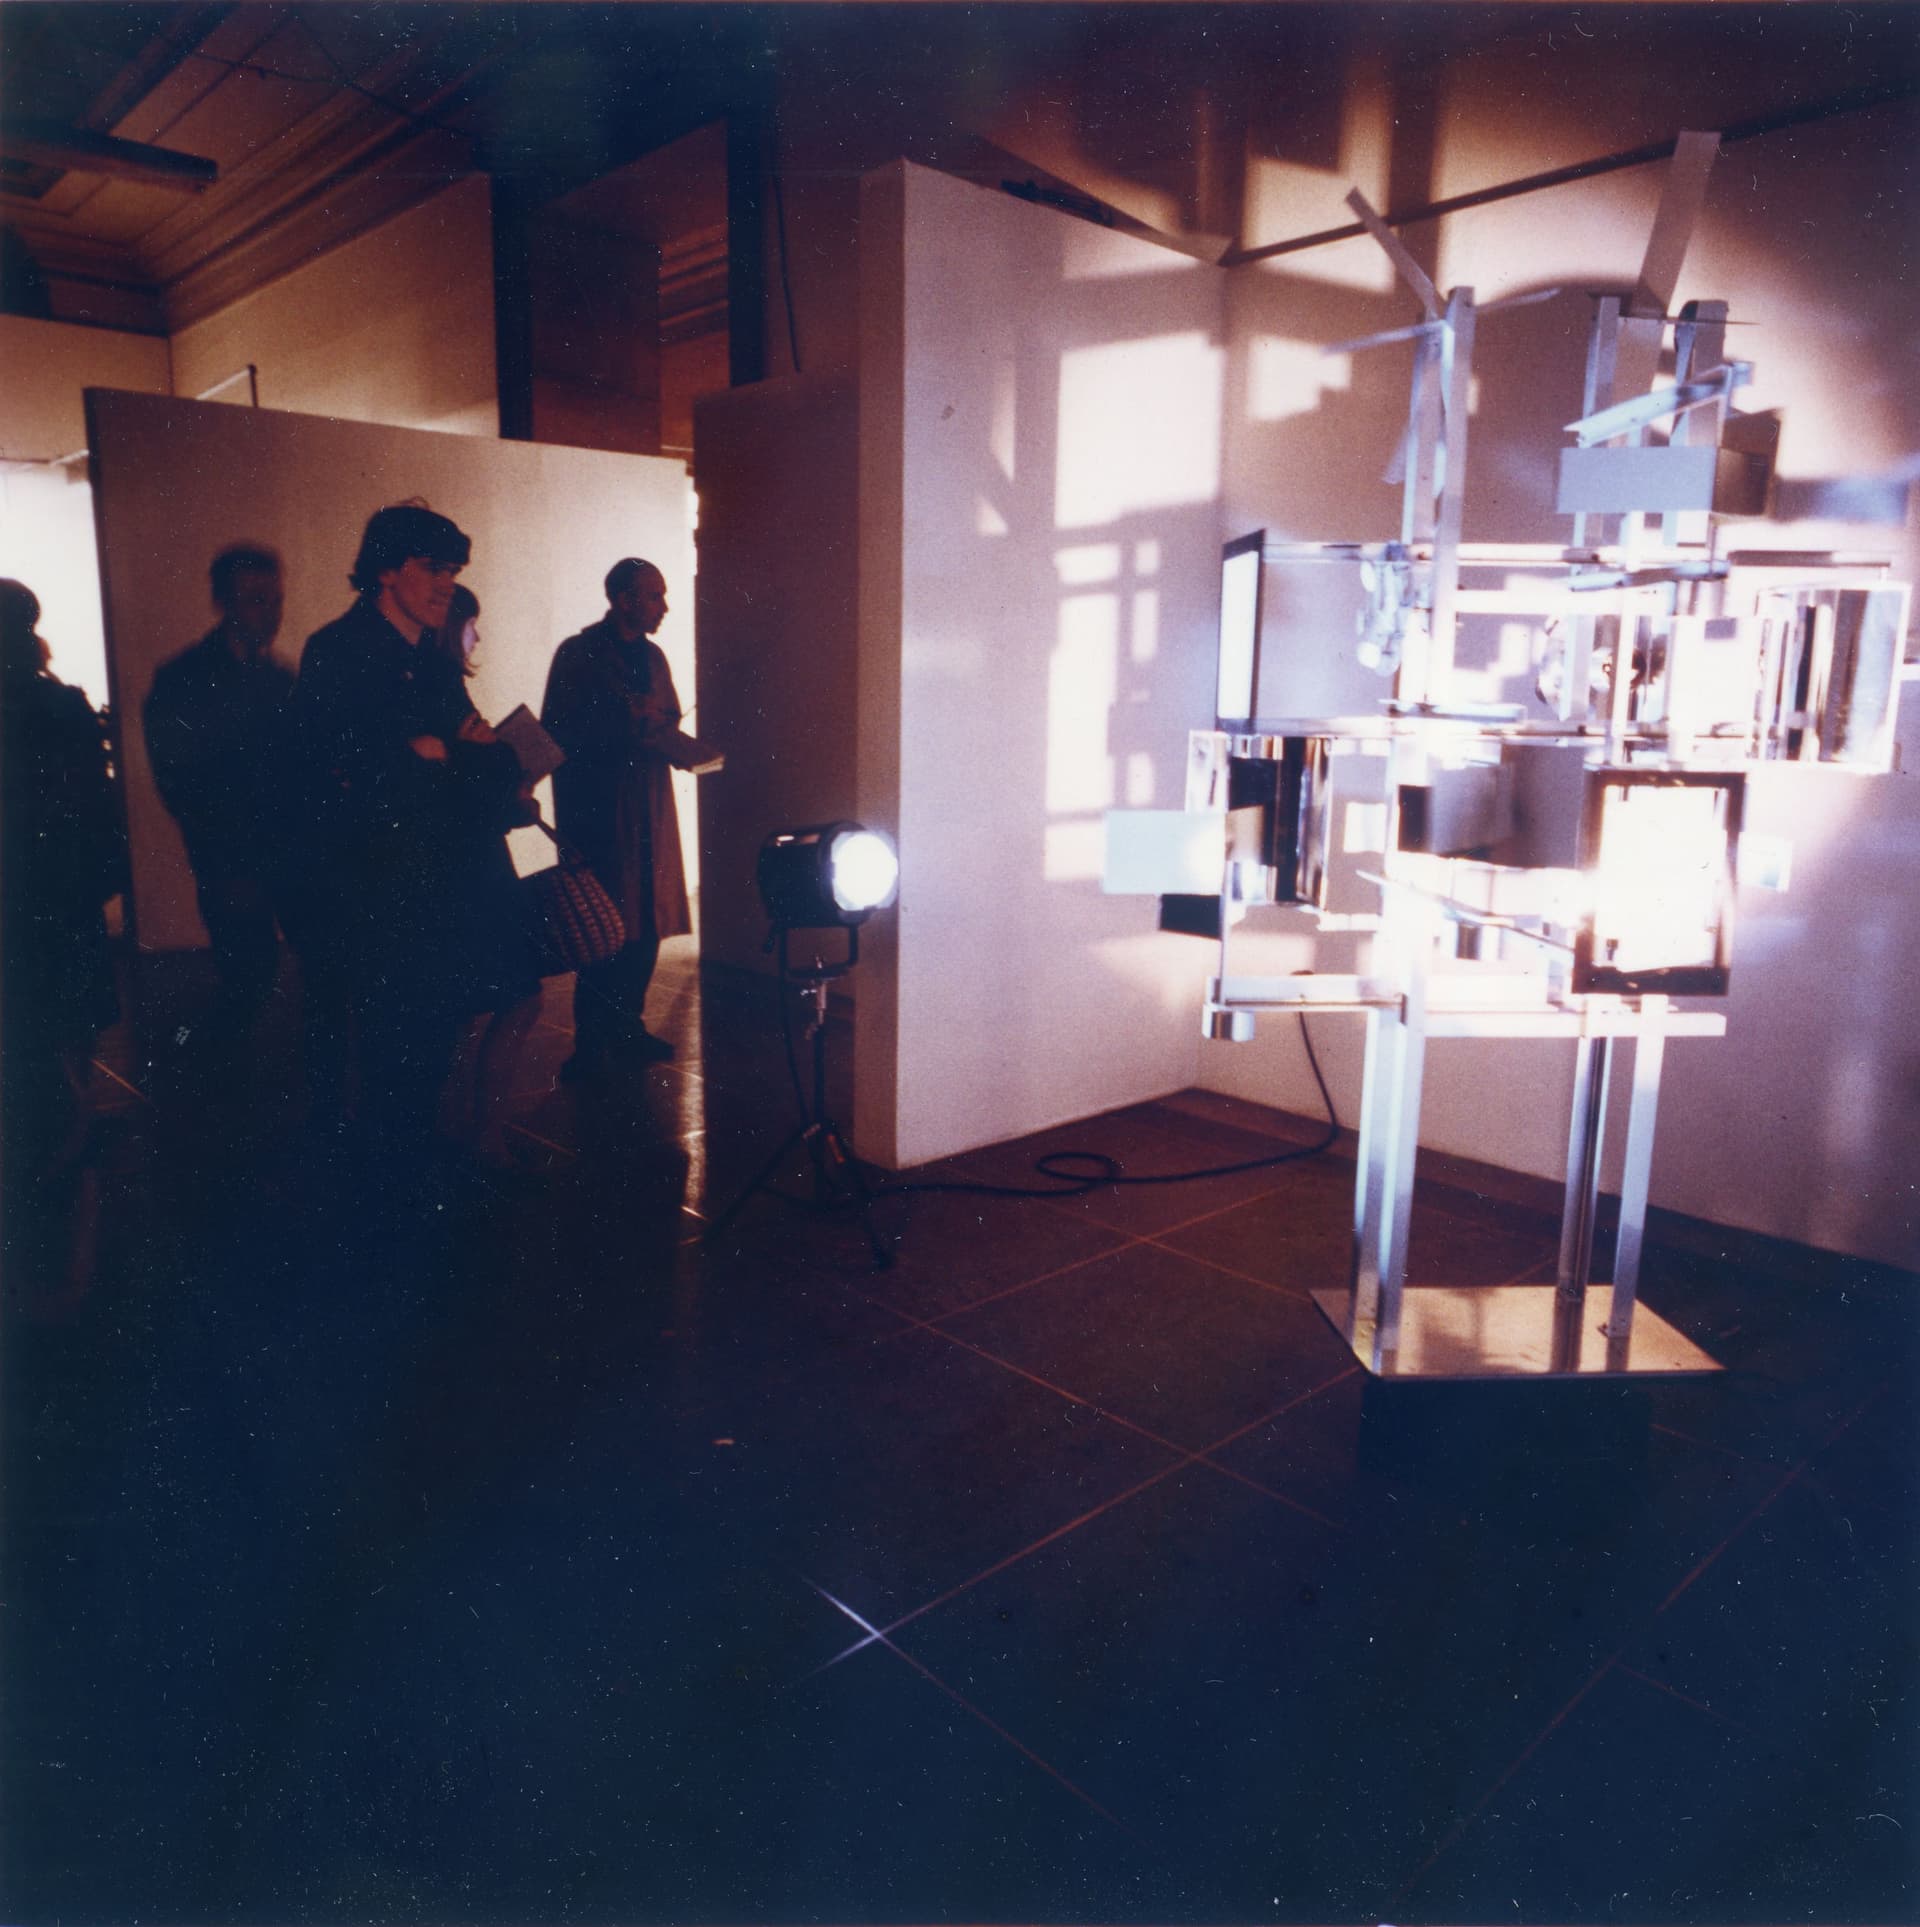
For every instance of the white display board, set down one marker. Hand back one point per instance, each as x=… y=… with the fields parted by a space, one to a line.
x=1041 y=416
x=177 y=481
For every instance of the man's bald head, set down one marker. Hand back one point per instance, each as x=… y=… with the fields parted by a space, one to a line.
x=636 y=597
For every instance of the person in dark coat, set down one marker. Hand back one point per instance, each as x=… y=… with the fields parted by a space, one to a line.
x=611 y=705
x=376 y=718
x=215 y=722
x=490 y=926
x=62 y=858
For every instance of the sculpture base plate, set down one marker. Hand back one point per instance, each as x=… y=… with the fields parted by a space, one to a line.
x=1513 y=1331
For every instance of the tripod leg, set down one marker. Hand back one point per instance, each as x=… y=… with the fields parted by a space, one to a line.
x=761 y=1179
x=832 y=1143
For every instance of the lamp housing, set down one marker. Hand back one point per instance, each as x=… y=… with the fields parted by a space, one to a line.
x=826 y=875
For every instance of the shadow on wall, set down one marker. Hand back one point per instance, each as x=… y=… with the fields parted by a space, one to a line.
x=1818 y=1081
x=1061 y=444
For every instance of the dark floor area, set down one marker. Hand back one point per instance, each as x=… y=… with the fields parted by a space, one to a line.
x=482 y=1548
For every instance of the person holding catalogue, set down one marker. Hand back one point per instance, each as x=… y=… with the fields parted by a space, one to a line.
x=611 y=705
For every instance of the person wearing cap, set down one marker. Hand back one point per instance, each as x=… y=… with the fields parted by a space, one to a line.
x=611 y=705
x=374 y=717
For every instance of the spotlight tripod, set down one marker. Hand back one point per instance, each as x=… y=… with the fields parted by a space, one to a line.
x=837 y=1177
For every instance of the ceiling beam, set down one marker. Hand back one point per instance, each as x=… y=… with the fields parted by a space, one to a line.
x=79 y=151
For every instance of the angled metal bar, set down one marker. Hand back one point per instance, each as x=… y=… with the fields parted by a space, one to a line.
x=1370 y=1184
x=1700 y=340
x=1639 y=411
x=1394 y=475
x=1423 y=416
x=1637 y=358
x=1402 y=1129
x=1409 y=270
x=1385 y=338
x=1603 y=346
x=1592 y=1069
x=1576 y=685
x=1649 y=1051
x=1710 y=569
x=1456 y=363
x=1681 y=200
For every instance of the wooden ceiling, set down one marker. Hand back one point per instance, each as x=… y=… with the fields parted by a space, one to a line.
x=320 y=120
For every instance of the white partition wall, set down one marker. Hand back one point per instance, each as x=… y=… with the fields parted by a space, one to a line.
x=176 y=481
x=1039 y=478
x=775 y=466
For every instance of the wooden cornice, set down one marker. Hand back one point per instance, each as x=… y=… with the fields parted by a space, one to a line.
x=320 y=213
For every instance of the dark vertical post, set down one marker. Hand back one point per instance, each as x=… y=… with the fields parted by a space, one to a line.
x=749 y=156
x=512 y=309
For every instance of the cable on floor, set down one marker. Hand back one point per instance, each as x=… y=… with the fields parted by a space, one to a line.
x=1105 y=1170
x=1108 y=1171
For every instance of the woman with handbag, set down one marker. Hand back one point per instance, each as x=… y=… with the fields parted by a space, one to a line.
x=490 y=948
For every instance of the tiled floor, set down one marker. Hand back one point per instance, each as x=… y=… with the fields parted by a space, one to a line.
x=493 y=1552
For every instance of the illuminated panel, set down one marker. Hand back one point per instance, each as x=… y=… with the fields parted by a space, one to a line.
x=1658 y=849
x=1237 y=676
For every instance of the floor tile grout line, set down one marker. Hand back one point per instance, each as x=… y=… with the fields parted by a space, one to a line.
x=960 y=1700
x=1219 y=1210
x=1614 y=1660
x=1293 y=1505
x=1699 y=1706
x=1060 y=1391
x=1072 y=1525
x=1041 y=1278
x=1699 y=1571
x=1192 y=1456
x=1158 y=1241
x=1299 y=1398
x=1303 y=1296
x=1790 y=1477
x=121 y=1081
x=1710 y=1445
x=1527 y=1752
x=565 y=1152
x=1011 y=1559
x=1852 y=1419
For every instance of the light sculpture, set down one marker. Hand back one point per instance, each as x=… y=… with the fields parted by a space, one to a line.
x=1572 y=860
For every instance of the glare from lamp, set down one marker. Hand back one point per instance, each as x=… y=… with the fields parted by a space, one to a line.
x=1662 y=855
x=826 y=875
x=865 y=871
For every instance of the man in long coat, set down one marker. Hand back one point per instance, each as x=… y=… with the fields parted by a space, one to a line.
x=611 y=706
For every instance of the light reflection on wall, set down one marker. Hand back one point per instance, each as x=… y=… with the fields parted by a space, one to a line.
x=47 y=542
x=1286 y=197
x=1005 y=421
x=1289 y=377
x=1140 y=428
x=1080 y=696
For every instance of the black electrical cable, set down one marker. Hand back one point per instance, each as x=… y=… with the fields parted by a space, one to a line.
x=1107 y=1171
x=1110 y=1171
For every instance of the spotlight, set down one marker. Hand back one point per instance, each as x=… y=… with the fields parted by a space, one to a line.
x=826 y=875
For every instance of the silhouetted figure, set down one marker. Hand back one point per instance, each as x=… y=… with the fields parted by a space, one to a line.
x=610 y=704
x=492 y=938
x=215 y=722
x=375 y=714
x=62 y=857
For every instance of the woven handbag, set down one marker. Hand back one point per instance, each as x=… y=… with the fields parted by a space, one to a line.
x=575 y=923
